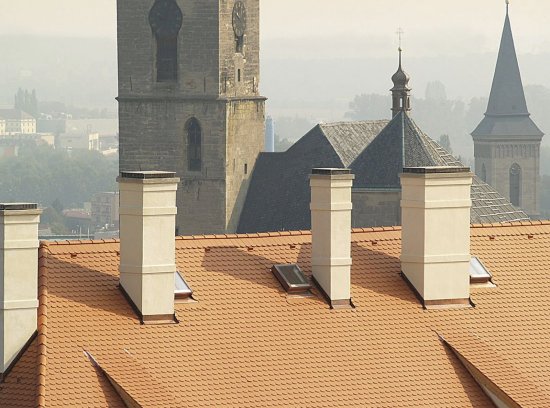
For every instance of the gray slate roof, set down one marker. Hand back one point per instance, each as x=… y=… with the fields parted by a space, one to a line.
x=349 y=139
x=279 y=193
x=507 y=114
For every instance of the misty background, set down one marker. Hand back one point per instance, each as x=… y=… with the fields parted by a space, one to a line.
x=322 y=61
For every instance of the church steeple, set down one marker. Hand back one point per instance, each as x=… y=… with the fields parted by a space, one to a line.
x=507 y=99
x=507 y=96
x=401 y=93
x=507 y=141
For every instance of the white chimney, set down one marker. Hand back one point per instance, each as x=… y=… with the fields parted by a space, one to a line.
x=18 y=279
x=331 y=233
x=435 y=254
x=147 y=242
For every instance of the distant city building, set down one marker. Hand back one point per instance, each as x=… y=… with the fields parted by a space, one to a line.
x=507 y=141
x=269 y=134
x=75 y=141
x=78 y=221
x=105 y=209
x=27 y=102
x=50 y=125
x=2 y=126
x=10 y=144
x=18 y=121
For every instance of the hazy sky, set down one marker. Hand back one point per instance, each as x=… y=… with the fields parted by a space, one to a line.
x=431 y=26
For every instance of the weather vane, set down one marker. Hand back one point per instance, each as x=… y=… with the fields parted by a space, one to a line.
x=400 y=33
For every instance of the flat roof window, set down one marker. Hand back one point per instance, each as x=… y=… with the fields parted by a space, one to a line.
x=478 y=272
x=181 y=289
x=292 y=278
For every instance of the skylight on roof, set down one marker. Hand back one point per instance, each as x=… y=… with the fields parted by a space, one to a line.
x=181 y=289
x=478 y=272
x=292 y=278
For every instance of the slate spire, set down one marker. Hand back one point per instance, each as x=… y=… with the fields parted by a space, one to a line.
x=507 y=113
x=507 y=96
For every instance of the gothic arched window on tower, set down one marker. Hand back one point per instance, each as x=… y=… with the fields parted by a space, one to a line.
x=484 y=173
x=165 y=19
x=194 y=145
x=239 y=25
x=515 y=184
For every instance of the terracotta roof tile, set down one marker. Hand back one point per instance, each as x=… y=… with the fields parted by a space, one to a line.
x=247 y=343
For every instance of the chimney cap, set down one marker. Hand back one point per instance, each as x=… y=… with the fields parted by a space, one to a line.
x=18 y=206
x=330 y=171
x=436 y=170
x=147 y=175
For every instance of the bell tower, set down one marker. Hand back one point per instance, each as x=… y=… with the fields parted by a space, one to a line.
x=507 y=141
x=189 y=102
x=401 y=93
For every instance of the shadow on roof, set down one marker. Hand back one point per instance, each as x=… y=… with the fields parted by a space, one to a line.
x=378 y=273
x=92 y=288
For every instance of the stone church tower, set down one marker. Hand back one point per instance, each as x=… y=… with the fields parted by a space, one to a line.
x=507 y=141
x=189 y=102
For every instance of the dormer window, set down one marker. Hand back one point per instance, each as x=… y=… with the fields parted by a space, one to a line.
x=165 y=19
x=182 y=291
x=479 y=274
x=291 y=278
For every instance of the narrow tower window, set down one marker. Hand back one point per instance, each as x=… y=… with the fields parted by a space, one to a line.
x=165 y=19
x=194 y=145
x=483 y=173
x=239 y=25
x=239 y=40
x=515 y=184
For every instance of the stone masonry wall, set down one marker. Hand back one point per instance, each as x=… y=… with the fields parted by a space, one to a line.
x=376 y=208
x=498 y=158
x=153 y=115
x=245 y=121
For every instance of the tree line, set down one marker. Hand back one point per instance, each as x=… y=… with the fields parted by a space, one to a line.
x=44 y=175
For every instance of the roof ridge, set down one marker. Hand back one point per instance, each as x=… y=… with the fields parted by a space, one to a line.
x=352 y=122
x=41 y=356
x=47 y=244
x=508 y=224
x=427 y=143
x=253 y=235
x=273 y=234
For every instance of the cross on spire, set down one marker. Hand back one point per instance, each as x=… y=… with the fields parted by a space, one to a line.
x=400 y=33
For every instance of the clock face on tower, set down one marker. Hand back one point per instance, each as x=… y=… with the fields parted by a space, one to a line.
x=165 y=18
x=239 y=18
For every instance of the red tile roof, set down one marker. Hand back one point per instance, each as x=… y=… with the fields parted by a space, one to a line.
x=246 y=343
